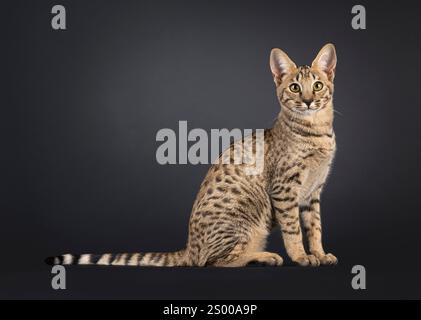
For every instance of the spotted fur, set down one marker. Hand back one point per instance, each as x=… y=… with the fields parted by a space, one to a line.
x=234 y=212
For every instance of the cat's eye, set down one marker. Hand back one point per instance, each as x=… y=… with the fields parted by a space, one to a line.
x=294 y=87
x=317 y=86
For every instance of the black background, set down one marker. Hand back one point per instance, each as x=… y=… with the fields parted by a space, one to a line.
x=80 y=110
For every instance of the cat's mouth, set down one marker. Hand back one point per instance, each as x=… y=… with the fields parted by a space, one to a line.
x=306 y=110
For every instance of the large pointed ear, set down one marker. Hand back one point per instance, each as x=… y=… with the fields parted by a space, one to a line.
x=326 y=61
x=280 y=65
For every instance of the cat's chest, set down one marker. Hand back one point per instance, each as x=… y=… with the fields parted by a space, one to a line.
x=314 y=174
x=310 y=171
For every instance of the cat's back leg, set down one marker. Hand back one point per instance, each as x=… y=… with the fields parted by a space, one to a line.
x=231 y=220
x=246 y=245
x=251 y=249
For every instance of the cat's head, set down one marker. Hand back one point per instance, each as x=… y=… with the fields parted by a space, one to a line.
x=304 y=90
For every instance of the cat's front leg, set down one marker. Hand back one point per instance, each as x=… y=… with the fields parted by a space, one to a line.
x=310 y=215
x=288 y=216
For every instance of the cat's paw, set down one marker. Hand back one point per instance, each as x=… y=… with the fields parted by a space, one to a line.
x=308 y=261
x=328 y=259
x=267 y=259
x=275 y=260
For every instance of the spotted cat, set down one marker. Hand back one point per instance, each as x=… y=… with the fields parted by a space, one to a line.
x=234 y=212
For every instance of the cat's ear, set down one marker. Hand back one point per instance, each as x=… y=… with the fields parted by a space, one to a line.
x=280 y=65
x=326 y=61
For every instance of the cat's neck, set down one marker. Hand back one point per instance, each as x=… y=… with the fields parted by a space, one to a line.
x=306 y=127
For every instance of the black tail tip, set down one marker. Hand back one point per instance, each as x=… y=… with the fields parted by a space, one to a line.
x=51 y=261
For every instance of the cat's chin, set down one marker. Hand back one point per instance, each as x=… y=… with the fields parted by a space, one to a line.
x=306 y=112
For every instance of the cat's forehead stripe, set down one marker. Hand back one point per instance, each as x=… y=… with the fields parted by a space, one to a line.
x=304 y=72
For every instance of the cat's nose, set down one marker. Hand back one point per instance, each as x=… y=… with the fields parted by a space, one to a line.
x=308 y=102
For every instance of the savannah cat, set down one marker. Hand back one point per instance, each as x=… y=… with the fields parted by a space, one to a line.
x=234 y=212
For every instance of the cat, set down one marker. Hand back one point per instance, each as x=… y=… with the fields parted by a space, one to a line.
x=234 y=212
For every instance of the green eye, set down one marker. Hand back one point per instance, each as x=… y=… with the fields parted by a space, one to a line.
x=317 y=86
x=295 y=88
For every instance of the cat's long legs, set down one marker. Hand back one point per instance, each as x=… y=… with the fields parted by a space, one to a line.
x=310 y=215
x=288 y=216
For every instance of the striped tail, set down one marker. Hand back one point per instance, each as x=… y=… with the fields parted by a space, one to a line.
x=150 y=259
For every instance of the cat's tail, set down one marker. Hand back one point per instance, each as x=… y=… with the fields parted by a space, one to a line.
x=150 y=259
